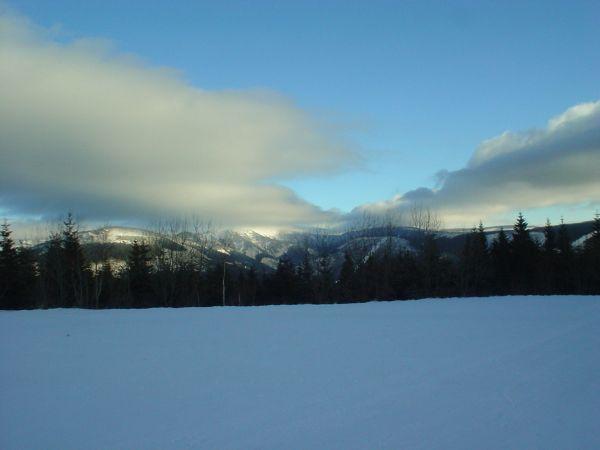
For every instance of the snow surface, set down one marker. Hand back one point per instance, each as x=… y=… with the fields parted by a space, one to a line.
x=495 y=373
x=582 y=240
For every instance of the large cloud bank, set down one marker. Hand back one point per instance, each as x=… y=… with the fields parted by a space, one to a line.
x=554 y=166
x=88 y=130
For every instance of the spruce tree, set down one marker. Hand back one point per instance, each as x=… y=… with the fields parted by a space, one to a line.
x=430 y=265
x=138 y=274
x=481 y=252
x=324 y=280
x=565 y=274
x=17 y=272
x=9 y=269
x=549 y=238
x=284 y=281
x=107 y=291
x=466 y=263
x=27 y=279
x=52 y=273
x=305 y=279
x=252 y=283
x=591 y=255
x=367 y=276
x=524 y=257
x=500 y=256
x=76 y=271
x=474 y=263
x=548 y=267
x=347 y=282
x=563 y=241
x=592 y=244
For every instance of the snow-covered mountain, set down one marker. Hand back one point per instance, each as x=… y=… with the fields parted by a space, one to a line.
x=116 y=235
x=251 y=248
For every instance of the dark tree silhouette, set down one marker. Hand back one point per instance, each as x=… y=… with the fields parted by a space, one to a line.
x=76 y=270
x=592 y=258
x=305 y=279
x=500 y=262
x=524 y=257
x=475 y=263
x=138 y=274
x=347 y=283
x=9 y=270
x=58 y=275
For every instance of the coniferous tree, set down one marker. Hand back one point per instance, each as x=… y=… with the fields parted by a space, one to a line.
x=430 y=265
x=466 y=263
x=52 y=273
x=563 y=240
x=17 y=273
x=385 y=272
x=549 y=238
x=76 y=270
x=27 y=280
x=591 y=254
x=284 y=281
x=325 y=285
x=475 y=264
x=367 y=275
x=405 y=275
x=524 y=257
x=500 y=262
x=9 y=270
x=138 y=273
x=565 y=261
x=305 y=279
x=347 y=284
x=107 y=293
x=548 y=266
x=252 y=286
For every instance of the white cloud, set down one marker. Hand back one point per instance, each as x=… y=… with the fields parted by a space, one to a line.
x=558 y=165
x=86 y=129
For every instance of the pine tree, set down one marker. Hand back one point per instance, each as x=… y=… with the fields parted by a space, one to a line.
x=563 y=241
x=17 y=272
x=430 y=265
x=524 y=257
x=548 y=267
x=475 y=262
x=9 y=269
x=27 y=280
x=284 y=281
x=107 y=290
x=466 y=263
x=324 y=292
x=549 y=238
x=591 y=254
x=366 y=274
x=305 y=279
x=252 y=286
x=347 y=282
x=138 y=274
x=565 y=275
x=52 y=273
x=500 y=255
x=76 y=271
x=592 y=244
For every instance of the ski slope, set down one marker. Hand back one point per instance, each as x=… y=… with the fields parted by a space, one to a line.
x=494 y=373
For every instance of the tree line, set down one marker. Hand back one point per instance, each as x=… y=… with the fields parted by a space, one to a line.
x=157 y=276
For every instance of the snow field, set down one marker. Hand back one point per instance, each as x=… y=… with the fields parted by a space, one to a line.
x=495 y=373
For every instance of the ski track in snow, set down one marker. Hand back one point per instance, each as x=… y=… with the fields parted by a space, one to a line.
x=494 y=373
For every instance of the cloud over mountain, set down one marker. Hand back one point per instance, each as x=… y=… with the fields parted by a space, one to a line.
x=87 y=129
x=553 y=166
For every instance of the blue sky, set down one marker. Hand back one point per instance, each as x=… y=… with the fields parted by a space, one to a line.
x=415 y=87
